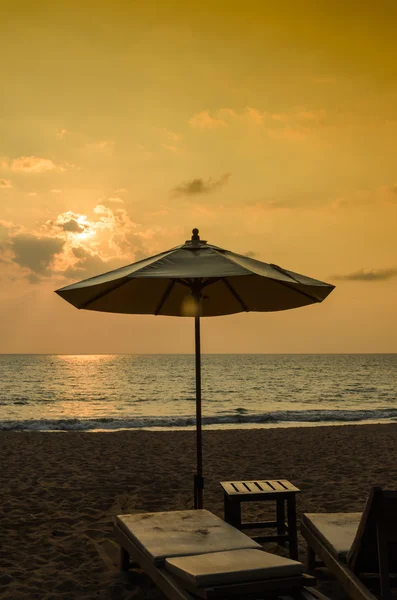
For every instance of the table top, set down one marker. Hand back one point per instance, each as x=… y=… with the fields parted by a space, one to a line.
x=259 y=487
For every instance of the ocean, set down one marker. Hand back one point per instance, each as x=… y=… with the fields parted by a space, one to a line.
x=111 y=392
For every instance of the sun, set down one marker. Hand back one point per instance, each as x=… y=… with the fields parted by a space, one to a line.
x=76 y=226
x=86 y=228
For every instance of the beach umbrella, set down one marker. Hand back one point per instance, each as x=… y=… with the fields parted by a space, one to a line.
x=198 y=280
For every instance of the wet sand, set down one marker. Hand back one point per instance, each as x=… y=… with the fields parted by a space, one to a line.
x=60 y=491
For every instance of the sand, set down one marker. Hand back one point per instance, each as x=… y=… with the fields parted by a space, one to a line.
x=59 y=492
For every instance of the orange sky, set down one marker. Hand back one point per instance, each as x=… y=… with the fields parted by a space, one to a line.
x=274 y=130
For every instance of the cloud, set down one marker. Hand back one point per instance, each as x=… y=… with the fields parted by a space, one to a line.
x=33 y=164
x=75 y=246
x=311 y=115
x=372 y=275
x=61 y=133
x=70 y=223
x=339 y=203
x=292 y=125
x=56 y=191
x=227 y=113
x=255 y=115
x=296 y=124
x=171 y=135
x=35 y=253
x=100 y=209
x=171 y=148
x=382 y=195
x=89 y=264
x=73 y=226
x=197 y=186
x=172 y=141
x=280 y=204
x=105 y=144
x=116 y=199
x=300 y=115
x=102 y=145
x=388 y=193
x=31 y=193
x=5 y=184
x=107 y=239
x=203 y=120
x=287 y=133
x=5 y=231
x=145 y=152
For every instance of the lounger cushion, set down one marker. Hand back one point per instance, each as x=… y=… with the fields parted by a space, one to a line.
x=232 y=567
x=336 y=531
x=163 y=535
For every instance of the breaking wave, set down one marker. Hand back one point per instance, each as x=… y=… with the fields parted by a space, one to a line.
x=231 y=419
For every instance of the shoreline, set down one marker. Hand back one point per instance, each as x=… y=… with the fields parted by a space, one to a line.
x=193 y=354
x=60 y=493
x=211 y=427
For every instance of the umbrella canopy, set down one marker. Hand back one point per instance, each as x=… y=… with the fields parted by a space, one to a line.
x=163 y=284
x=201 y=280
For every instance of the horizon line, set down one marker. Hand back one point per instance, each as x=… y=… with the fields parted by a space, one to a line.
x=193 y=354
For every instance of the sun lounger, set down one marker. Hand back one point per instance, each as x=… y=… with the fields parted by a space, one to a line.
x=193 y=553
x=360 y=549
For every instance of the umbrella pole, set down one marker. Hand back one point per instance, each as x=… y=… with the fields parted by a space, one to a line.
x=198 y=478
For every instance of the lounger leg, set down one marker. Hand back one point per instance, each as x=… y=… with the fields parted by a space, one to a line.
x=124 y=559
x=292 y=530
x=310 y=559
x=383 y=558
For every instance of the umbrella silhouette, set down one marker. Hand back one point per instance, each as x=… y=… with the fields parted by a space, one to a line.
x=198 y=280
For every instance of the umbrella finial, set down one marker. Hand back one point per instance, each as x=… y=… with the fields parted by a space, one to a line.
x=194 y=243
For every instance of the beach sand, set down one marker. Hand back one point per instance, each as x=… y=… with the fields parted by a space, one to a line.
x=60 y=491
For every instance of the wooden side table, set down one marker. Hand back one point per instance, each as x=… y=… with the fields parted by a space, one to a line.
x=279 y=491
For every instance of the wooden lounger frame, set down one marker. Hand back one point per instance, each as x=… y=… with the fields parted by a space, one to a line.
x=176 y=589
x=368 y=558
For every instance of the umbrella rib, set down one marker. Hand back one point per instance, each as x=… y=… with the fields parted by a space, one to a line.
x=288 y=285
x=234 y=293
x=164 y=296
x=298 y=291
x=102 y=294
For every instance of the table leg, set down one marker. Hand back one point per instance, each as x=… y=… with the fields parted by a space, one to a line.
x=232 y=512
x=237 y=514
x=292 y=529
x=280 y=517
x=226 y=508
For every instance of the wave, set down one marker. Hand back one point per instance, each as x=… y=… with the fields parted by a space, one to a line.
x=236 y=418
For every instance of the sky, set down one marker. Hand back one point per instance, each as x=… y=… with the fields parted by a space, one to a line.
x=271 y=127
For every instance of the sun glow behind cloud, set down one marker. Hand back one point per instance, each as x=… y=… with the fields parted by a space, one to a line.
x=73 y=245
x=75 y=225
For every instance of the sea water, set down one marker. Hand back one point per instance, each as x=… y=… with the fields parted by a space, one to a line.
x=110 y=392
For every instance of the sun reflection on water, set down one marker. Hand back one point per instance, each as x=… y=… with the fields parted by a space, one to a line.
x=85 y=358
